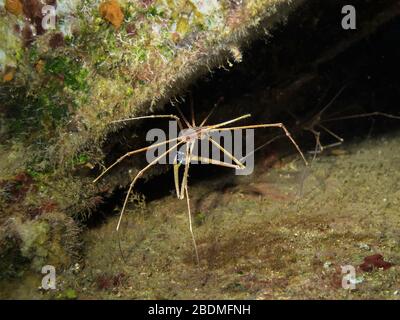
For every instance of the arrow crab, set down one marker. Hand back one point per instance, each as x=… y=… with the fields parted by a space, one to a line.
x=190 y=134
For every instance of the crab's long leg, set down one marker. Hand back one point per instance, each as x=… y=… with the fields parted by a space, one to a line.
x=222 y=124
x=340 y=139
x=332 y=100
x=132 y=153
x=192 y=110
x=319 y=147
x=216 y=162
x=208 y=116
x=181 y=188
x=140 y=173
x=177 y=164
x=176 y=177
x=188 y=156
x=226 y=152
x=183 y=116
x=268 y=125
x=221 y=99
x=190 y=224
x=363 y=115
x=262 y=146
x=170 y=116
